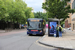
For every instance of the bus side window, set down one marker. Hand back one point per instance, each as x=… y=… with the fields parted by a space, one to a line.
x=39 y=25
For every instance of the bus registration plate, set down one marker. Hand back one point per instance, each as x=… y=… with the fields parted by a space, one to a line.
x=34 y=33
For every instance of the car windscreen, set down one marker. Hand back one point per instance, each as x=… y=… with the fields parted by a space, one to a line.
x=35 y=25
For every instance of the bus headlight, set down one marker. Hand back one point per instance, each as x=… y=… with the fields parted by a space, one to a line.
x=40 y=31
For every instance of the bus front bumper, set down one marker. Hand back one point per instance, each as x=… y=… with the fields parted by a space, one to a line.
x=34 y=33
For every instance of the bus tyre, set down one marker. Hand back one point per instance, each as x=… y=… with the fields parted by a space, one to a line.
x=48 y=34
x=43 y=34
x=30 y=34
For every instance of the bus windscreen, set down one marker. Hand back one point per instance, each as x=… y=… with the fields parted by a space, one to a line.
x=35 y=25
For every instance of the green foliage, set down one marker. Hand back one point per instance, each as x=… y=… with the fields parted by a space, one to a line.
x=62 y=22
x=41 y=15
x=57 y=8
x=32 y=15
x=2 y=10
x=14 y=11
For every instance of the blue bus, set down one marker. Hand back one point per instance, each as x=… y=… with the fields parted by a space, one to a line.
x=36 y=26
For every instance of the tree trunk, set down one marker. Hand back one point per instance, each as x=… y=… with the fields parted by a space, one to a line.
x=59 y=21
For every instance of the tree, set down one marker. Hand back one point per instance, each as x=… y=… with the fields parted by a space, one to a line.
x=28 y=12
x=15 y=11
x=31 y=15
x=3 y=10
x=57 y=8
x=41 y=15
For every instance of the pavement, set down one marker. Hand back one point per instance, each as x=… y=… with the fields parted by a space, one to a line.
x=67 y=41
x=2 y=31
x=9 y=32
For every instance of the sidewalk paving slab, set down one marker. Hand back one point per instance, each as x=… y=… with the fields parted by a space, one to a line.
x=67 y=41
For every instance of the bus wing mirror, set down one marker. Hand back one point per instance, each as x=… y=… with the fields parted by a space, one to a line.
x=43 y=23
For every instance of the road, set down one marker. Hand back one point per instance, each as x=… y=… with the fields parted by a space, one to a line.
x=21 y=41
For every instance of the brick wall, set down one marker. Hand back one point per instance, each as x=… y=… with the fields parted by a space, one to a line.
x=67 y=25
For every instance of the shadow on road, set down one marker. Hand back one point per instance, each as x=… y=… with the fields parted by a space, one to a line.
x=35 y=35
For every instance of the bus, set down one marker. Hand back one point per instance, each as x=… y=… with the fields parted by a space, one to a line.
x=36 y=26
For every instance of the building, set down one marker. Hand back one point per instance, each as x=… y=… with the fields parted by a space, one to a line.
x=73 y=15
x=70 y=22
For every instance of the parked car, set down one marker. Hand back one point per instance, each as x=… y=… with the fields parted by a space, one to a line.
x=69 y=28
x=22 y=26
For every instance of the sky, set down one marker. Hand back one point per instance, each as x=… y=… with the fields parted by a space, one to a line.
x=35 y=4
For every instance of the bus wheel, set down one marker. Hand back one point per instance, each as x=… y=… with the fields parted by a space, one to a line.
x=42 y=34
x=30 y=34
x=48 y=34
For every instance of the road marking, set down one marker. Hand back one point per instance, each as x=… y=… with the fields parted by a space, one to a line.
x=44 y=45
x=41 y=44
x=38 y=39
